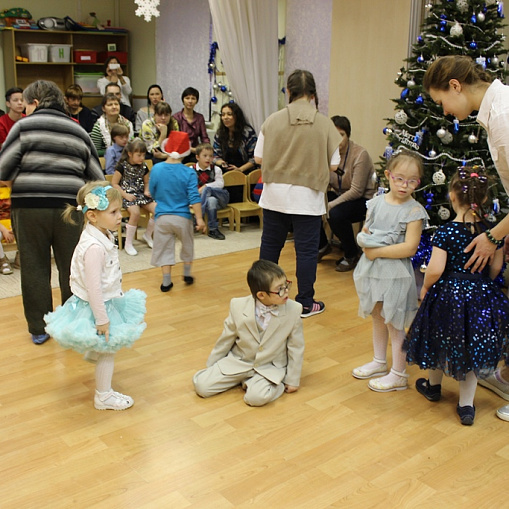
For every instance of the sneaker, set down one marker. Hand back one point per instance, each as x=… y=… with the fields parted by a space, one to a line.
x=347 y=264
x=317 y=308
x=148 y=240
x=495 y=383
x=39 y=339
x=430 y=392
x=216 y=234
x=467 y=414
x=112 y=400
x=503 y=413
x=130 y=250
x=166 y=288
x=188 y=280
x=324 y=251
x=5 y=266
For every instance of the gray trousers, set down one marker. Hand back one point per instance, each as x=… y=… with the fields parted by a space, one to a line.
x=37 y=231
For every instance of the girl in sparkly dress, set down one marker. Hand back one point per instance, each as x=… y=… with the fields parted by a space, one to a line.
x=463 y=322
x=131 y=179
x=384 y=277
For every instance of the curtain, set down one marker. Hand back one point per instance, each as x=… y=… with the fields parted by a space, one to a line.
x=247 y=35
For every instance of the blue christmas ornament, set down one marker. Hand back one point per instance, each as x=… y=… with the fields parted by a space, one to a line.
x=387 y=130
x=496 y=206
x=213 y=99
x=420 y=40
x=443 y=16
x=223 y=89
x=231 y=101
x=420 y=59
x=473 y=19
x=419 y=100
x=404 y=93
x=500 y=9
x=473 y=45
x=456 y=125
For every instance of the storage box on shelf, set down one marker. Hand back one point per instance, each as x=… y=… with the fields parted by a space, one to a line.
x=49 y=54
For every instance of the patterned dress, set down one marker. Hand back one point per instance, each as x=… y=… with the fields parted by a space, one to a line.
x=132 y=182
x=463 y=322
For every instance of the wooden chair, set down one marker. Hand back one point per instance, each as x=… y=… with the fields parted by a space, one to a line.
x=245 y=208
x=252 y=180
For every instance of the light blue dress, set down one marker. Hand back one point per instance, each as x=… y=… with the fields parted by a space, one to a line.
x=388 y=280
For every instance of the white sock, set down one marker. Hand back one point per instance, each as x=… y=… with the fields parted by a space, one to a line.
x=104 y=371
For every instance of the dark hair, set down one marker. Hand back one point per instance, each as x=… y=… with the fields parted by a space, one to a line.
x=109 y=97
x=261 y=275
x=405 y=154
x=119 y=130
x=47 y=93
x=12 y=90
x=155 y=85
x=190 y=91
x=74 y=92
x=301 y=83
x=459 y=67
x=108 y=60
x=223 y=133
x=162 y=107
x=203 y=146
x=133 y=146
x=470 y=185
x=109 y=85
x=342 y=123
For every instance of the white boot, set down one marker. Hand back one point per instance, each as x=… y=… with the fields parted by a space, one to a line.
x=130 y=232
x=147 y=236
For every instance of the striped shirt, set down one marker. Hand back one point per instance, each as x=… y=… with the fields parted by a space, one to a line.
x=48 y=157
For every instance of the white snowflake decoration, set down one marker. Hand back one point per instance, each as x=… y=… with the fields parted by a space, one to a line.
x=147 y=9
x=439 y=177
x=462 y=5
x=444 y=213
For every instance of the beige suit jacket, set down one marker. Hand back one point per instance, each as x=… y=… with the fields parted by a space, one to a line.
x=277 y=355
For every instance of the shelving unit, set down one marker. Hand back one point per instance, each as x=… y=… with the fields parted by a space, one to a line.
x=21 y=74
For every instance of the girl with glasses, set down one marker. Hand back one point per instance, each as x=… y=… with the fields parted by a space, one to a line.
x=384 y=277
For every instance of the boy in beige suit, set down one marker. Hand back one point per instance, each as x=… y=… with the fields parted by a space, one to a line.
x=262 y=344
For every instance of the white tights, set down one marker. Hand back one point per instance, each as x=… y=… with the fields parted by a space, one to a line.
x=467 y=386
x=104 y=371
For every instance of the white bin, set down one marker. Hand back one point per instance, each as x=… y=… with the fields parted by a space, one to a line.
x=60 y=52
x=35 y=52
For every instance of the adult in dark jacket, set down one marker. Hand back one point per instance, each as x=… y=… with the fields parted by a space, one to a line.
x=46 y=158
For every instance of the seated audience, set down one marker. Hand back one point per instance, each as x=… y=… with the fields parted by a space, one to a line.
x=154 y=130
x=73 y=96
x=101 y=132
x=113 y=74
x=125 y=110
x=120 y=137
x=211 y=187
x=154 y=95
x=15 y=108
x=353 y=185
x=191 y=122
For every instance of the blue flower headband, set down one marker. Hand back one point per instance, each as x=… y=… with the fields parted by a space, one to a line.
x=96 y=200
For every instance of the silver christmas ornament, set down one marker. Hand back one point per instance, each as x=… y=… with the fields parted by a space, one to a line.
x=441 y=132
x=447 y=138
x=423 y=268
x=410 y=83
x=494 y=61
x=472 y=138
x=456 y=30
x=444 y=213
x=481 y=17
x=400 y=117
x=432 y=153
x=439 y=177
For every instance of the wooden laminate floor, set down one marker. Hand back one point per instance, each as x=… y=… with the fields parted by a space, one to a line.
x=334 y=443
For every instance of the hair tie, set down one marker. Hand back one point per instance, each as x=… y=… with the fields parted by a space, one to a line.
x=472 y=175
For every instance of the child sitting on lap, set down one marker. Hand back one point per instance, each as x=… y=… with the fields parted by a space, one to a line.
x=262 y=344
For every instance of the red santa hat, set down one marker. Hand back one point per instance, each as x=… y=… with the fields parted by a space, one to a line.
x=176 y=145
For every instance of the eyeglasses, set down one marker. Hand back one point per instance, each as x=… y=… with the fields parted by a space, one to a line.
x=283 y=289
x=399 y=181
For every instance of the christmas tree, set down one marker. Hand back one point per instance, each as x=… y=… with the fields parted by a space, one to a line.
x=463 y=27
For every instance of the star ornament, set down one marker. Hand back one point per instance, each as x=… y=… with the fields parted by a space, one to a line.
x=147 y=9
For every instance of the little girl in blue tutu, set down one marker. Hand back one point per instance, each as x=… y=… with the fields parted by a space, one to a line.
x=384 y=277
x=463 y=322
x=99 y=317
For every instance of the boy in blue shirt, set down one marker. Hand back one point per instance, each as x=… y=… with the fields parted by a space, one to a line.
x=174 y=187
x=120 y=137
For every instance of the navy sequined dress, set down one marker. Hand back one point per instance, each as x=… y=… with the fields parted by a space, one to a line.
x=463 y=322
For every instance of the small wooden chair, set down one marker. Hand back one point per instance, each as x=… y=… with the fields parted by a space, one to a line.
x=245 y=208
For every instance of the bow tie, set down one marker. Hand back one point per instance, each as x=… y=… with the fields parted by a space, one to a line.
x=264 y=314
